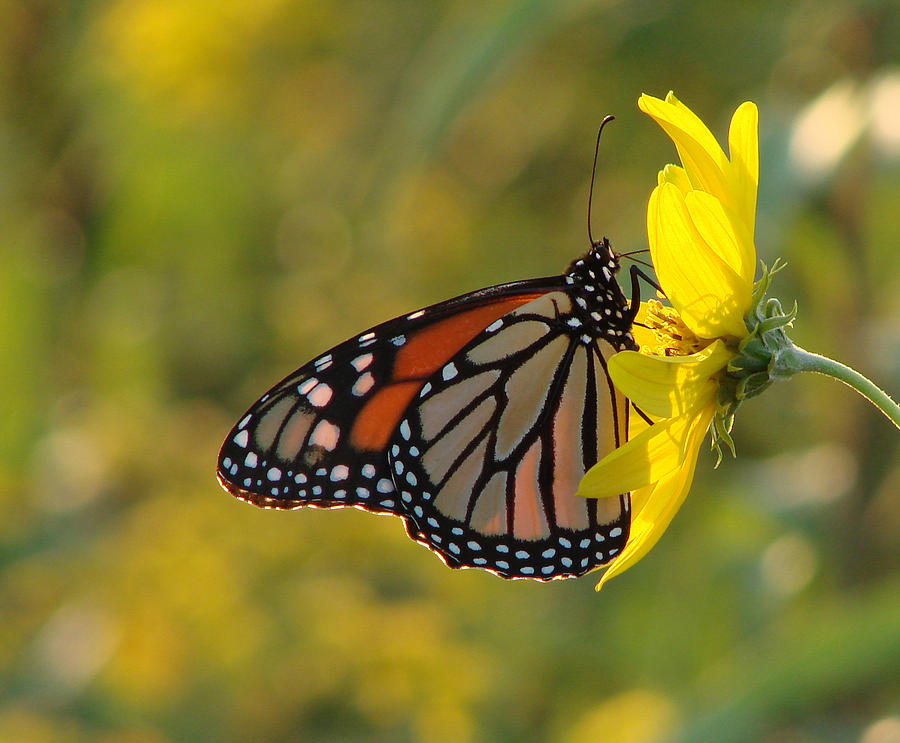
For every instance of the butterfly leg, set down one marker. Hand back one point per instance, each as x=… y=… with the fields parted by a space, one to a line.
x=636 y=276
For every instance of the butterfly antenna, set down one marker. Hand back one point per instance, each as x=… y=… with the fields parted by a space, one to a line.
x=593 y=175
x=631 y=253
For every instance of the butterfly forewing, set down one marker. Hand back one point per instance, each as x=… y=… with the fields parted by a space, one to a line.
x=319 y=436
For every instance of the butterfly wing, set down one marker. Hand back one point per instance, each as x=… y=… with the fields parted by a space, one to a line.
x=319 y=437
x=473 y=419
x=488 y=457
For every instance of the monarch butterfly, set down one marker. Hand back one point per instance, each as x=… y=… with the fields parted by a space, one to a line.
x=473 y=420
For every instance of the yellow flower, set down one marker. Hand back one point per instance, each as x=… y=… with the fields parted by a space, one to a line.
x=700 y=222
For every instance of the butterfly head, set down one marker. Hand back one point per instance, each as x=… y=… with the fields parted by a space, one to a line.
x=598 y=296
x=596 y=269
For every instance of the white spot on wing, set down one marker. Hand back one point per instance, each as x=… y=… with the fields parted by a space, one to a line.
x=321 y=395
x=449 y=371
x=306 y=386
x=362 y=385
x=326 y=435
x=339 y=472
x=361 y=362
x=242 y=438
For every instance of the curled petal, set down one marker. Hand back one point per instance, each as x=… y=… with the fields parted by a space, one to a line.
x=675 y=175
x=654 y=506
x=743 y=146
x=643 y=460
x=700 y=153
x=669 y=386
x=710 y=296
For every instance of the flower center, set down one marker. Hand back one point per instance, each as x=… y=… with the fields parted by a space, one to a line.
x=673 y=337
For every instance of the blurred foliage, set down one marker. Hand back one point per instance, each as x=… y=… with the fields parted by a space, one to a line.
x=197 y=196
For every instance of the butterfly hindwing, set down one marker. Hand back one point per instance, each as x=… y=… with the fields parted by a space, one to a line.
x=487 y=459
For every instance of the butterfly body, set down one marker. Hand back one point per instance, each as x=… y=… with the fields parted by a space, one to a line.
x=473 y=420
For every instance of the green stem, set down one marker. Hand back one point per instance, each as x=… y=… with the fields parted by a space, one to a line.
x=797 y=359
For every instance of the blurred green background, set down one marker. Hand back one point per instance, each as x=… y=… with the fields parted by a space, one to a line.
x=197 y=196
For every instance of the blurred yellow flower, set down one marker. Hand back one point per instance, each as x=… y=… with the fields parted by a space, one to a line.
x=700 y=222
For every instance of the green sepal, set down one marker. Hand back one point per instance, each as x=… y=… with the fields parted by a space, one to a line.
x=758 y=362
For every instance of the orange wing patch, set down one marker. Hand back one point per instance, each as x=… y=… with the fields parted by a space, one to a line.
x=424 y=353
x=376 y=421
x=431 y=348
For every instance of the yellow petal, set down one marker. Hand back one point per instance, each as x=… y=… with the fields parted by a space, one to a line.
x=719 y=232
x=646 y=458
x=675 y=175
x=700 y=153
x=743 y=147
x=733 y=182
x=668 y=386
x=709 y=295
x=654 y=506
x=637 y=425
